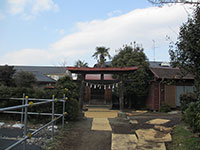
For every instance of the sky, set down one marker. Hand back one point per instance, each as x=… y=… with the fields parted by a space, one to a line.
x=60 y=32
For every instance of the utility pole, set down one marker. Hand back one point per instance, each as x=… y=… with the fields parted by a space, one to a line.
x=154 y=49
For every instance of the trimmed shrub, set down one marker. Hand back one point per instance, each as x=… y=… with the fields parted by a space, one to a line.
x=165 y=108
x=186 y=99
x=192 y=116
x=73 y=109
x=70 y=90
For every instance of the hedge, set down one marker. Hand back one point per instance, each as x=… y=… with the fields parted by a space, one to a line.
x=192 y=116
x=186 y=99
x=72 y=105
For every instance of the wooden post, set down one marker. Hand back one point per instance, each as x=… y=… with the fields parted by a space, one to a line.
x=82 y=88
x=121 y=94
x=102 y=77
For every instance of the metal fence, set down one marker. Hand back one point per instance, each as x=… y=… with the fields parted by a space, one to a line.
x=29 y=102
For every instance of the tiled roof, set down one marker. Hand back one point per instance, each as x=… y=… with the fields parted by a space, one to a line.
x=43 y=78
x=48 y=70
x=41 y=72
x=170 y=73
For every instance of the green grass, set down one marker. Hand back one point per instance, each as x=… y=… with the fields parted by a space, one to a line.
x=184 y=139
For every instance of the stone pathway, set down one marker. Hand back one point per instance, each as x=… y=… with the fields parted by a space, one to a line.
x=124 y=141
x=101 y=113
x=143 y=139
x=101 y=124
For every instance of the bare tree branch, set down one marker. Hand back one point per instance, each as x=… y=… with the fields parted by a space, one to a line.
x=161 y=2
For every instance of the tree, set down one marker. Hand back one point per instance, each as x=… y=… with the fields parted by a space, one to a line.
x=185 y=53
x=25 y=79
x=67 y=86
x=161 y=2
x=80 y=63
x=100 y=55
x=136 y=87
x=6 y=75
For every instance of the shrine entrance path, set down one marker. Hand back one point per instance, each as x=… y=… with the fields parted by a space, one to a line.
x=103 y=130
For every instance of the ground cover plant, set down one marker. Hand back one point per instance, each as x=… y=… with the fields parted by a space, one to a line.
x=184 y=139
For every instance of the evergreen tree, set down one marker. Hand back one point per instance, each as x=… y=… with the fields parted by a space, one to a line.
x=186 y=52
x=136 y=88
x=6 y=75
x=25 y=79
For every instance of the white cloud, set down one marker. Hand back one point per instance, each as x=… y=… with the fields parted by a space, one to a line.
x=60 y=31
x=27 y=56
x=114 y=13
x=27 y=17
x=16 y=6
x=29 y=8
x=141 y=25
x=43 y=5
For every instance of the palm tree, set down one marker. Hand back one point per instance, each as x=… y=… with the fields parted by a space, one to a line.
x=80 y=63
x=100 y=54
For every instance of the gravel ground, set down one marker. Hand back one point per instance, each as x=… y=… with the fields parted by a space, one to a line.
x=9 y=135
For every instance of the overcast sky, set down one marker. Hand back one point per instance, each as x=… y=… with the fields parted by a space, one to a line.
x=57 y=32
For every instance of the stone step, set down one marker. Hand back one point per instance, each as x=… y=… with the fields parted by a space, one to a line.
x=98 y=106
x=97 y=102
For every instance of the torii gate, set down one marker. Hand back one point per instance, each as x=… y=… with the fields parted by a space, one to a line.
x=102 y=71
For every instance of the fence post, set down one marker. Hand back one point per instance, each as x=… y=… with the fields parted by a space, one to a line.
x=22 y=115
x=25 y=121
x=63 y=118
x=52 y=132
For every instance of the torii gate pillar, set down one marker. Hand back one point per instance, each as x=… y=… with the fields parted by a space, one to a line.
x=82 y=88
x=121 y=93
x=121 y=97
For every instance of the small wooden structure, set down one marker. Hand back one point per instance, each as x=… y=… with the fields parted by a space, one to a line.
x=102 y=71
x=167 y=86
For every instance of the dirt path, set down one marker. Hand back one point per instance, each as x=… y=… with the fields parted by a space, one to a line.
x=124 y=133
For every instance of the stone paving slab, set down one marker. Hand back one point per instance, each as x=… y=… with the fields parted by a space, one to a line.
x=101 y=114
x=101 y=124
x=151 y=135
x=158 y=121
x=150 y=146
x=124 y=142
x=162 y=128
x=133 y=122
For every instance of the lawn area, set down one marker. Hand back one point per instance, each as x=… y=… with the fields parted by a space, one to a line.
x=184 y=139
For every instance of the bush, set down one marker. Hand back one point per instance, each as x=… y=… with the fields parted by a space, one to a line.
x=8 y=92
x=165 y=108
x=72 y=105
x=186 y=99
x=72 y=109
x=25 y=79
x=192 y=116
